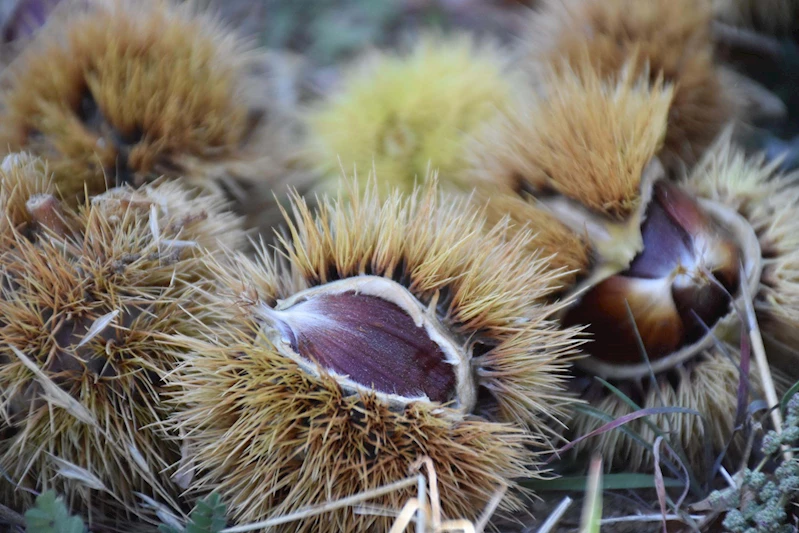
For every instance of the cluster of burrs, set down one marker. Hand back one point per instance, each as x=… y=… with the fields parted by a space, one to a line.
x=565 y=224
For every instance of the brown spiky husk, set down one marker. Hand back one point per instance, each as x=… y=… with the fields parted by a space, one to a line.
x=768 y=200
x=565 y=249
x=661 y=38
x=21 y=177
x=128 y=263
x=116 y=91
x=272 y=438
x=586 y=138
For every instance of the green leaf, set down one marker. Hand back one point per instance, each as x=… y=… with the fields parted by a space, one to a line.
x=208 y=516
x=610 y=482
x=163 y=528
x=50 y=515
x=788 y=395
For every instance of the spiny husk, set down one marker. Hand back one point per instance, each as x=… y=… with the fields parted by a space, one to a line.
x=405 y=115
x=21 y=177
x=589 y=141
x=119 y=92
x=565 y=249
x=586 y=139
x=272 y=438
x=85 y=311
x=665 y=39
x=768 y=201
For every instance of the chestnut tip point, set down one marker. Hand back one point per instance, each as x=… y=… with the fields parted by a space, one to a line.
x=47 y=212
x=14 y=160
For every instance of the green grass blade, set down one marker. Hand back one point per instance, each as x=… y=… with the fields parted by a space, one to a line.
x=592 y=507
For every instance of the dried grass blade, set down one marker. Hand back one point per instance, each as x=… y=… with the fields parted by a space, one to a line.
x=73 y=471
x=53 y=392
x=97 y=326
x=762 y=363
x=406 y=516
x=555 y=516
x=164 y=514
x=488 y=512
x=154 y=229
x=660 y=487
x=324 y=508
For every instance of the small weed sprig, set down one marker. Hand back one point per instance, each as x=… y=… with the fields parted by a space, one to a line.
x=760 y=503
x=50 y=515
x=208 y=516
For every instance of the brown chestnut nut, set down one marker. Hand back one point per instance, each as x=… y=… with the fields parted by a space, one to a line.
x=677 y=287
